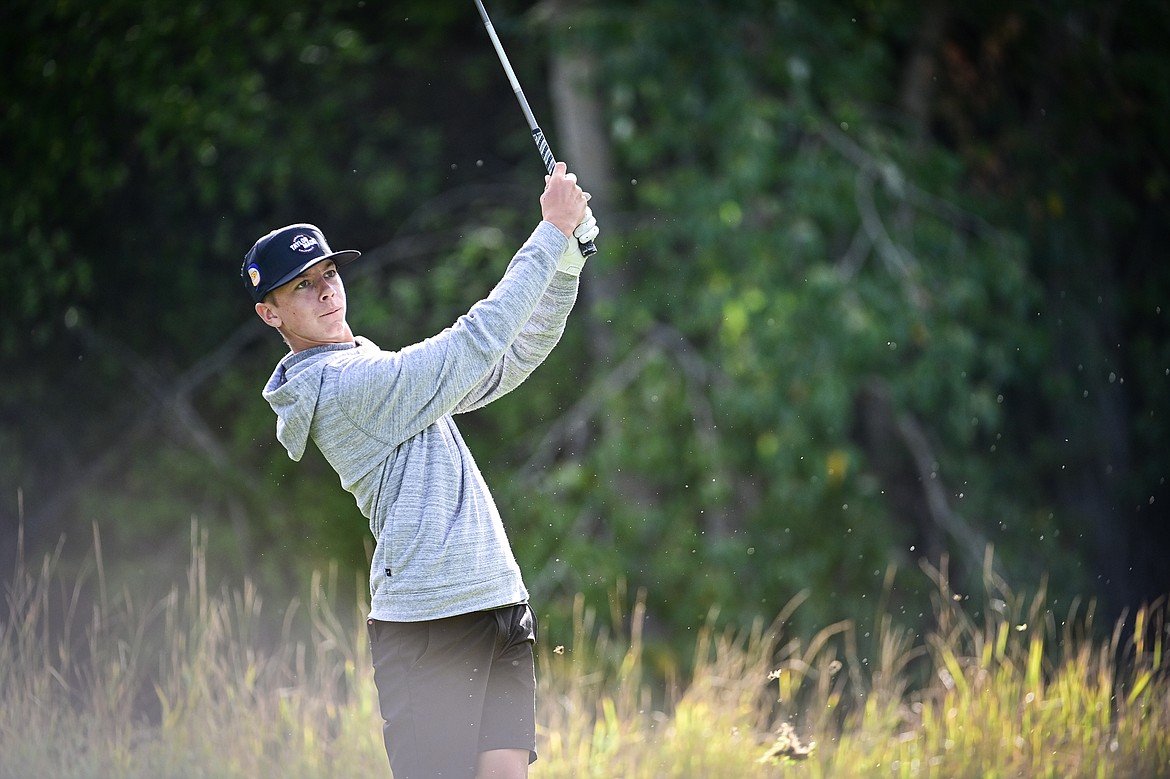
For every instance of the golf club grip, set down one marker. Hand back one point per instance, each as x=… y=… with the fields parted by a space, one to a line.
x=588 y=248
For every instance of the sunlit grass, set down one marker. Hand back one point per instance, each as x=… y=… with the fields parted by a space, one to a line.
x=1016 y=693
x=187 y=683
x=178 y=683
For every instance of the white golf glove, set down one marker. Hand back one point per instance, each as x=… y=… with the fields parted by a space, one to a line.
x=571 y=261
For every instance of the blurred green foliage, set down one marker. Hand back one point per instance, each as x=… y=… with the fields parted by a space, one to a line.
x=786 y=236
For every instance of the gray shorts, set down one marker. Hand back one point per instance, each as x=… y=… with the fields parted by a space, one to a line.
x=452 y=688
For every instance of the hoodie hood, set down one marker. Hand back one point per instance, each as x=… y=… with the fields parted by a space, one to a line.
x=293 y=391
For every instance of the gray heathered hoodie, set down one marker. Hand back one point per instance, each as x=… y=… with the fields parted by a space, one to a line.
x=384 y=422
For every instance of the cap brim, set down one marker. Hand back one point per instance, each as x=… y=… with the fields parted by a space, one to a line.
x=344 y=257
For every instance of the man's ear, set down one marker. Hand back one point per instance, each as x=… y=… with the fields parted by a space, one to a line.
x=268 y=313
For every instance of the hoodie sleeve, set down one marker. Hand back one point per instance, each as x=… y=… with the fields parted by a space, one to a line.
x=394 y=395
x=536 y=340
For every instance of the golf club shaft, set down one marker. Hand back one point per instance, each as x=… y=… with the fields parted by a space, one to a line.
x=588 y=248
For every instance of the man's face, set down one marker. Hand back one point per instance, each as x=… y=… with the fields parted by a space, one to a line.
x=310 y=309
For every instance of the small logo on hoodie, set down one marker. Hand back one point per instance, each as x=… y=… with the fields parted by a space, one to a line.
x=303 y=243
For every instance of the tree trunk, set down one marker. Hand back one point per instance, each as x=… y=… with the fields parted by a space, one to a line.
x=584 y=145
x=919 y=77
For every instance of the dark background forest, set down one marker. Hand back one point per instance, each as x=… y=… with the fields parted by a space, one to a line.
x=879 y=283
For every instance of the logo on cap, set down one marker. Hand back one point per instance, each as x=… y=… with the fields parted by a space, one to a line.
x=254 y=275
x=303 y=243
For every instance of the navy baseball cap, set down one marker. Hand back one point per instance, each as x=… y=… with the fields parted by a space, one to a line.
x=284 y=254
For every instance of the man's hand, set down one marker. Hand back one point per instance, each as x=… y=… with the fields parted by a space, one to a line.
x=571 y=261
x=563 y=203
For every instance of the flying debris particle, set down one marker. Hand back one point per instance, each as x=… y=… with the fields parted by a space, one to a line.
x=787 y=746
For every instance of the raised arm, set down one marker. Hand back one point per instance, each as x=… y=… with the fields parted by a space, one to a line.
x=490 y=349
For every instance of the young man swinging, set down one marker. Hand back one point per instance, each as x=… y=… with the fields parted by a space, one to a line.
x=450 y=627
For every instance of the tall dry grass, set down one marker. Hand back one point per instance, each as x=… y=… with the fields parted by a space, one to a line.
x=1017 y=692
x=104 y=682
x=180 y=683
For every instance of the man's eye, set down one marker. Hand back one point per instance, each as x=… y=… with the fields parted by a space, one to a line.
x=304 y=283
x=331 y=273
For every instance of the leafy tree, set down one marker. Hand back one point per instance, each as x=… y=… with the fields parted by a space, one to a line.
x=876 y=284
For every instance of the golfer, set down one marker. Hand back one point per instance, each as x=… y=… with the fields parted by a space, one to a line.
x=450 y=628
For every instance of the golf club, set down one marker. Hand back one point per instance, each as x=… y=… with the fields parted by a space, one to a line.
x=588 y=248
